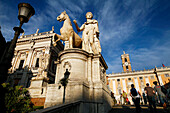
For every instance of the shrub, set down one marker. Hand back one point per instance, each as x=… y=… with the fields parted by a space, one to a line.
x=17 y=99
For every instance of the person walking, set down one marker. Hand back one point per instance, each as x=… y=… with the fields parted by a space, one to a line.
x=120 y=102
x=135 y=98
x=124 y=97
x=113 y=97
x=151 y=97
x=144 y=98
x=161 y=95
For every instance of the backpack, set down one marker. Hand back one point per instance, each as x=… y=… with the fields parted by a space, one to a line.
x=134 y=92
x=163 y=90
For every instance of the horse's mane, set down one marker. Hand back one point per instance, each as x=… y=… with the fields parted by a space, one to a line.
x=68 y=19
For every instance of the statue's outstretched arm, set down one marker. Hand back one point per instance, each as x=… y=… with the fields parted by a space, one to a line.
x=97 y=29
x=77 y=27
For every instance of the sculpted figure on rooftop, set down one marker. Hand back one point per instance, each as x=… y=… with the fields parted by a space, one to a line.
x=67 y=32
x=90 y=36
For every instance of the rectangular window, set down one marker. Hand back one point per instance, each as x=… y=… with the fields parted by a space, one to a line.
x=167 y=75
x=21 y=64
x=152 y=77
x=37 y=63
x=141 y=78
x=129 y=79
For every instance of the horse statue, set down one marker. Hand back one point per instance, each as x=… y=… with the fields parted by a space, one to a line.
x=67 y=32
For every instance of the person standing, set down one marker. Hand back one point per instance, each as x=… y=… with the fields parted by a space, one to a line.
x=151 y=97
x=144 y=98
x=135 y=98
x=161 y=95
x=120 y=98
x=124 y=97
x=113 y=97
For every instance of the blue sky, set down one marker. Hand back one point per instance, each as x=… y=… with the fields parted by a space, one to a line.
x=139 y=27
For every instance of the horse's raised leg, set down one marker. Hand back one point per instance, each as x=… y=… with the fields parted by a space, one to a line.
x=60 y=37
x=54 y=41
x=71 y=41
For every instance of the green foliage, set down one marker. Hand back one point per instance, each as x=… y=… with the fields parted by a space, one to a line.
x=17 y=99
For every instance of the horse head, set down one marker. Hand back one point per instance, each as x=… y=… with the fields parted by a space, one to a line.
x=62 y=17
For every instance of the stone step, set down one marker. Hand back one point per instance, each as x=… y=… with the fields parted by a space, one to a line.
x=131 y=109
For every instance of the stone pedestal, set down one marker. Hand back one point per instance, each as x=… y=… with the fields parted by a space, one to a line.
x=87 y=81
x=37 y=90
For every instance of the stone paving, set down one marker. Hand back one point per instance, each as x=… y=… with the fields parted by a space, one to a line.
x=131 y=109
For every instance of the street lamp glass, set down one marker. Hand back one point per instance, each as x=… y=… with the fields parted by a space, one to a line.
x=25 y=12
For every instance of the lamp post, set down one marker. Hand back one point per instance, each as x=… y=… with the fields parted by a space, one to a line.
x=64 y=82
x=156 y=75
x=24 y=14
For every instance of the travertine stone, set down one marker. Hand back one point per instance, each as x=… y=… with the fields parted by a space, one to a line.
x=84 y=84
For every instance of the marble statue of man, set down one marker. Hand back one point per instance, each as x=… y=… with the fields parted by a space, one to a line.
x=90 y=34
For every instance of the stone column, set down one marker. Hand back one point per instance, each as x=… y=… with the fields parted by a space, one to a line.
x=147 y=80
x=15 y=59
x=136 y=83
x=32 y=58
x=124 y=85
x=160 y=79
x=29 y=57
x=114 y=86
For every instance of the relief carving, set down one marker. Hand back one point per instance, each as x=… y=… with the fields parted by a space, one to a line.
x=67 y=65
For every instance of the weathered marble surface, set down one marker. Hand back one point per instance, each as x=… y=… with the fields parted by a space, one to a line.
x=84 y=83
x=90 y=34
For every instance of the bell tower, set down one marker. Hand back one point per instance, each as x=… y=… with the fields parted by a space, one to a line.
x=126 y=62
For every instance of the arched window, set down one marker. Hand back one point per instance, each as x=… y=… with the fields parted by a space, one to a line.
x=125 y=59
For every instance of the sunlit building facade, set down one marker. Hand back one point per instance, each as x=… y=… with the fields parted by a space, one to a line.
x=35 y=56
x=119 y=82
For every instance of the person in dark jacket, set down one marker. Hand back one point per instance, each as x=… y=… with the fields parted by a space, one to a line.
x=151 y=97
x=161 y=95
x=135 y=98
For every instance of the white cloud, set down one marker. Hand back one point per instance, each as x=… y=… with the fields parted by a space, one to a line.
x=143 y=58
x=118 y=21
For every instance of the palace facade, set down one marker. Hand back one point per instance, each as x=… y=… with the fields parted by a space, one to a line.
x=35 y=56
x=119 y=82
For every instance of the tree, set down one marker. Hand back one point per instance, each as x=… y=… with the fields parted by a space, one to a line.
x=17 y=99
